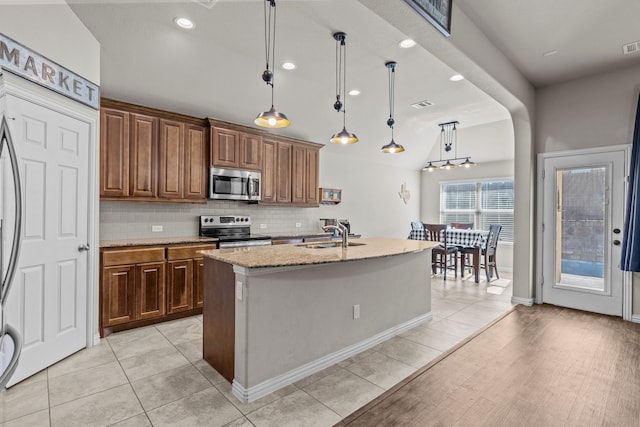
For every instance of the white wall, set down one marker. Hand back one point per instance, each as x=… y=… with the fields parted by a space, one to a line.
x=54 y=31
x=594 y=111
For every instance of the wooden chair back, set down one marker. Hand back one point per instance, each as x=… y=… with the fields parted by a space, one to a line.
x=492 y=238
x=436 y=233
x=462 y=225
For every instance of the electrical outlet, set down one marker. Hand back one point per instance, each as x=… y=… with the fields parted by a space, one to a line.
x=156 y=228
x=356 y=311
x=239 y=291
x=263 y=225
x=298 y=224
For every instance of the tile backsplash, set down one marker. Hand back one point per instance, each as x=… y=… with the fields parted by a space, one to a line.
x=133 y=220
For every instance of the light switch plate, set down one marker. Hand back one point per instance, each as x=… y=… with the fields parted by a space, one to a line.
x=156 y=228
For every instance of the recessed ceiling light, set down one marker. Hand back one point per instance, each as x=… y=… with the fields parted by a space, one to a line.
x=550 y=53
x=407 y=43
x=184 y=23
x=456 y=77
x=354 y=92
x=289 y=66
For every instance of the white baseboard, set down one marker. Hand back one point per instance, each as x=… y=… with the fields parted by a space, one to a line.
x=96 y=339
x=269 y=386
x=524 y=301
x=635 y=318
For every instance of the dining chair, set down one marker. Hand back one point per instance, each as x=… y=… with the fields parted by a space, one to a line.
x=487 y=254
x=442 y=256
x=462 y=225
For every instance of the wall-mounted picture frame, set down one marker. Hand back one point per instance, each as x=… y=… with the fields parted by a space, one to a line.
x=437 y=12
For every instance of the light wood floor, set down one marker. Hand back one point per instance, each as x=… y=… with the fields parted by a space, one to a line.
x=537 y=366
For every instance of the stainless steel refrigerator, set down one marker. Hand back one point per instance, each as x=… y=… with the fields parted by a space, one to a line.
x=10 y=237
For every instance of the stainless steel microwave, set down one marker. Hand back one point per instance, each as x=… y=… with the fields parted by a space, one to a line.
x=233 y=184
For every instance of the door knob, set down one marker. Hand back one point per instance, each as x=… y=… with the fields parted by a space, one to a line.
x=83 y=248
x=616 y=242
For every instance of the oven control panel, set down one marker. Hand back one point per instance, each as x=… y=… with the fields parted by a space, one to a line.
x=211 y=221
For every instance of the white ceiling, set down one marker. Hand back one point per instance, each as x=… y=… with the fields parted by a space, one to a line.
x=214 y=70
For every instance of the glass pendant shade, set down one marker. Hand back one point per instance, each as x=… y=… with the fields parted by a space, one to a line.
x=392 y=147
x=272 y=119
x=344 y=137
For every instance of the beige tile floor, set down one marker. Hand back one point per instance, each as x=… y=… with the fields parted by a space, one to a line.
x=156 y=375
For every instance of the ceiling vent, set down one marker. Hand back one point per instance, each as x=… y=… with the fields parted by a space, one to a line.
x=631 y=48
x=206 y=3
x=422 y=104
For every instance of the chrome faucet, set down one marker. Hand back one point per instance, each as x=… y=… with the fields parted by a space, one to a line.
x=340 y=229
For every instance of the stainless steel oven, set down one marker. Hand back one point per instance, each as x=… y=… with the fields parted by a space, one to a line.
x=234 y=184
x=232 y=231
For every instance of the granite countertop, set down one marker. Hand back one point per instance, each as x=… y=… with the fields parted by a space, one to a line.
x=298 y=254
x=156 y=241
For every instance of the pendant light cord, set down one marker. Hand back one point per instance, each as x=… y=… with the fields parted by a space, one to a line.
x=392 y=72
x=270 y=40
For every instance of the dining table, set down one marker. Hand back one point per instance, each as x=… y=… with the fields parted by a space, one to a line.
x=472 y=240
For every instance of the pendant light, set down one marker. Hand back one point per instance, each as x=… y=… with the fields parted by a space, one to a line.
x=448 y=147
x=344 y=136
x=391 y=147
x=271 y=118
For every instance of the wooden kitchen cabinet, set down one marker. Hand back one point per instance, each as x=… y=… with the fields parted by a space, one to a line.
x=117 y=296
x=150 y=284
x=234 y=148
x=132 y=286
x=150 y=290
x=179 y=285
x=289 y=172
x=152 y=155
x=171 y=174
x=114 y=153
x=283 y=172
x=143 y=152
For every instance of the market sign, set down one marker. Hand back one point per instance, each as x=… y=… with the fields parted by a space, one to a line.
x=26 y=63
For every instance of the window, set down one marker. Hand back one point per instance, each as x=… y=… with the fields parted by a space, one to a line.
x=480 y=202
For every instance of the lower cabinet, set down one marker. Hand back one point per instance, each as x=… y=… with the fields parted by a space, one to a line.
x=144 y=285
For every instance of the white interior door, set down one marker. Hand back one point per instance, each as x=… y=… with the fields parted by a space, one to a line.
x=583 y=216
x=48 y=299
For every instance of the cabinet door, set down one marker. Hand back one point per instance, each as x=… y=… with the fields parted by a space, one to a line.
x=118 y=290
x=171 y=159
x=195 y=174
x=150 y=285
x=143 y=155
x=180 y=286
x=283 y=172
x=225 y=148
x=269 y=171
x=298 y=172
x=311 y=177
x=250 y=151
x=198 y=282
x=114 y=153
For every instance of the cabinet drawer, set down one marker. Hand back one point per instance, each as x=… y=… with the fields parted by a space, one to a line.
x=187 y=252
x=132 y=256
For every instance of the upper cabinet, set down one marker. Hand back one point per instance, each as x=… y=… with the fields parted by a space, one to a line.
x=289 y=172
x=235 y=147
x=151 y=155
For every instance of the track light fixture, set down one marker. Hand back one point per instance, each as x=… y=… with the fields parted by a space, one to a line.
x=342 y=137
x=270 y=118
x=391 y=147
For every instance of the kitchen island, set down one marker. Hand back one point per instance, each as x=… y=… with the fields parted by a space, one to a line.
x=275 y=314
